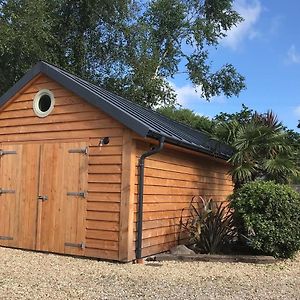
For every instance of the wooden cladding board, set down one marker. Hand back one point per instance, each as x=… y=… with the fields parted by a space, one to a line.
x=73 y=119
x=172 y=178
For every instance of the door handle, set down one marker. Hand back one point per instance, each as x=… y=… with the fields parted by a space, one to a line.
x=42 y=198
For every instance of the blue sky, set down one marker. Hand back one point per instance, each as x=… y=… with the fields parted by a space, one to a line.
x=265 y=48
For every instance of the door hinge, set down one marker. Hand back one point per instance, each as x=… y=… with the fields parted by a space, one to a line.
x=82 y=194
x=42 y=198
x=4 y=152
x=6 y=238
x=80 y=245
x=79 y=150
x=3 y=191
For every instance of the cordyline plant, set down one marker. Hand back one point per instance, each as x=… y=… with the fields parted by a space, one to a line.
x=209 y=225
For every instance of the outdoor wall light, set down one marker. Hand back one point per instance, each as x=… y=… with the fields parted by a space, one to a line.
x=104 y=141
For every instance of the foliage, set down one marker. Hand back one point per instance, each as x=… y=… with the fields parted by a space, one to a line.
x=130 y=47
x=244 y=116
x=262 y=146
x=26 y=35
x=170 y=32
x=81 y=36
x=226 y=125
x=188 y=117
x=210 y=225
x=269 y=214
x=294 y=142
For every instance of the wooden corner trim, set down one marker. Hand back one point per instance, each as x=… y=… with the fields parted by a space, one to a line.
x=127 y=198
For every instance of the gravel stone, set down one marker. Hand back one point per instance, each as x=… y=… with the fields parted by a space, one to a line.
x=31 y=275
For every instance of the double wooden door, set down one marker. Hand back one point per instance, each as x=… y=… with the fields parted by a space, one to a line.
x=43 y=196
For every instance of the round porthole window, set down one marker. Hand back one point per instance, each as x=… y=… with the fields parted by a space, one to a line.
x=43 y=103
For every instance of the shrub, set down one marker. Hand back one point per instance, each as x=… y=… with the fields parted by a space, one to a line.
x=269 y=216
x=210 y=225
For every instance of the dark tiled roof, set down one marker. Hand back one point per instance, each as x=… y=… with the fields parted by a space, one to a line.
x=144 y=121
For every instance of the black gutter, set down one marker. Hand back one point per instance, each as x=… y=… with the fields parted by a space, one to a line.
x=211 y=152
x=139 y=237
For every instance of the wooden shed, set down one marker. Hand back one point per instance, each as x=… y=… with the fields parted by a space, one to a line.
x=86 y=172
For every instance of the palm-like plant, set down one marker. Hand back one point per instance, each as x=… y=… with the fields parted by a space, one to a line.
x=262 y=149
x=210 y=225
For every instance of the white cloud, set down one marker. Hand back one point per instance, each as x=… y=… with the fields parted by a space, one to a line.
x=293 y=56
x=250 y=11
x=297 y=111
x=188 y=94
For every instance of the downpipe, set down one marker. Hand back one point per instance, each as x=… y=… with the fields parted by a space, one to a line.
x=141 y=165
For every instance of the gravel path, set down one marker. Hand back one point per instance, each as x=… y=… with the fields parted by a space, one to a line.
x=29 y=275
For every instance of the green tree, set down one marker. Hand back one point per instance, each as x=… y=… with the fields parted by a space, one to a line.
x=226 y=125
x=82 y=36
x=26 y=36
x=294 y=142
x=170 y=32
x=92 y=34
x=131 y=47
x=243 y=116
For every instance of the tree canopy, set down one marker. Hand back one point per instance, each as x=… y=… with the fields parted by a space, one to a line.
x=131 y=47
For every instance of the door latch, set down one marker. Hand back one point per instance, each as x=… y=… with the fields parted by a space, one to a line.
x=79 y=150
x=80 y=245
x=3 y=191
x=42 y=198
x=6 y=238
x=82 y=194
x=4 y=152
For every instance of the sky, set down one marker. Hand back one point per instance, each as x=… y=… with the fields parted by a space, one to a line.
x=265 y=48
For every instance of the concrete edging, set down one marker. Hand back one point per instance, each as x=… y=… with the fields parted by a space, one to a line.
x=216 y=258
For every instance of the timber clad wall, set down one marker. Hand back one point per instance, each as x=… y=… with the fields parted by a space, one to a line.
x=172 y=178
x=74 y=119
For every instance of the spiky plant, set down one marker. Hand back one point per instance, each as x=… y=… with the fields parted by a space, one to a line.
x=210 y=225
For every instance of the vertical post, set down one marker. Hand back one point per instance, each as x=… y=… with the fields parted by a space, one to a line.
x=126 y=230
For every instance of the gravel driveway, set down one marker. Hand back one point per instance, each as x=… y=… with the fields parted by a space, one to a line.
x=29 y=275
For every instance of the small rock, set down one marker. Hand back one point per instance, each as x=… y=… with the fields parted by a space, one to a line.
x=181 y=250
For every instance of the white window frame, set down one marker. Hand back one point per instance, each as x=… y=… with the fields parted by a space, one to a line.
x=36 y=100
